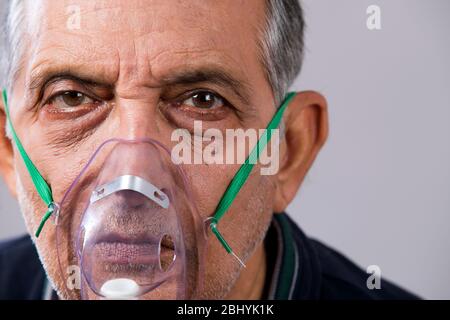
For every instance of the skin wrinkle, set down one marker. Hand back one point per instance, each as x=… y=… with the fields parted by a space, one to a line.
x=64 y=142
x=159 y=39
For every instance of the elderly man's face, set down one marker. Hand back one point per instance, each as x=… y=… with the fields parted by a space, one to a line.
x=142 y=69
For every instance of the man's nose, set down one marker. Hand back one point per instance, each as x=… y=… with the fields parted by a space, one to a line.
x=138 y=116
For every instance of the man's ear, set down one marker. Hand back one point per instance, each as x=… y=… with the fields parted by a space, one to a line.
x=6 y=154
x=306 y=130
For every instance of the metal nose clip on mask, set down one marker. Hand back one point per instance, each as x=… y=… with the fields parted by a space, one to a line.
x=139 y=235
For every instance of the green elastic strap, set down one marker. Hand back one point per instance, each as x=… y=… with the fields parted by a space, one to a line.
x=39 y=182
x=244 y=171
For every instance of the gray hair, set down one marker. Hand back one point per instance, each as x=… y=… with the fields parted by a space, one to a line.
x=281 y=43
x=12 y=15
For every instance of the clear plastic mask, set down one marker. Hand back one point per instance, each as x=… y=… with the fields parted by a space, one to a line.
x=132 y=224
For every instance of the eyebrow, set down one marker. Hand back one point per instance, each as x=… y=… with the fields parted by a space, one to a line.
x=214 y=75
x=43 y=78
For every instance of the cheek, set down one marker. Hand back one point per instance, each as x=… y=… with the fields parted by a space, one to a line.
x=31 y=205
x=208 y=184
x=32 y=209
x=249 y=216
x=244 y=227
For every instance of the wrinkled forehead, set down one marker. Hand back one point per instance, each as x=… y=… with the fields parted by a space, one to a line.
x=143 y=32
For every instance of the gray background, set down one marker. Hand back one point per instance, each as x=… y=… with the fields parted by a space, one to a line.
x=380 y=189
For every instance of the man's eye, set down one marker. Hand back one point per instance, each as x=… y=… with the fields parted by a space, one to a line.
x=204 y=100
x=71 y=99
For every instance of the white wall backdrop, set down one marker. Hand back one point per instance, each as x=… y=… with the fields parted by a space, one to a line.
x=380 y=190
